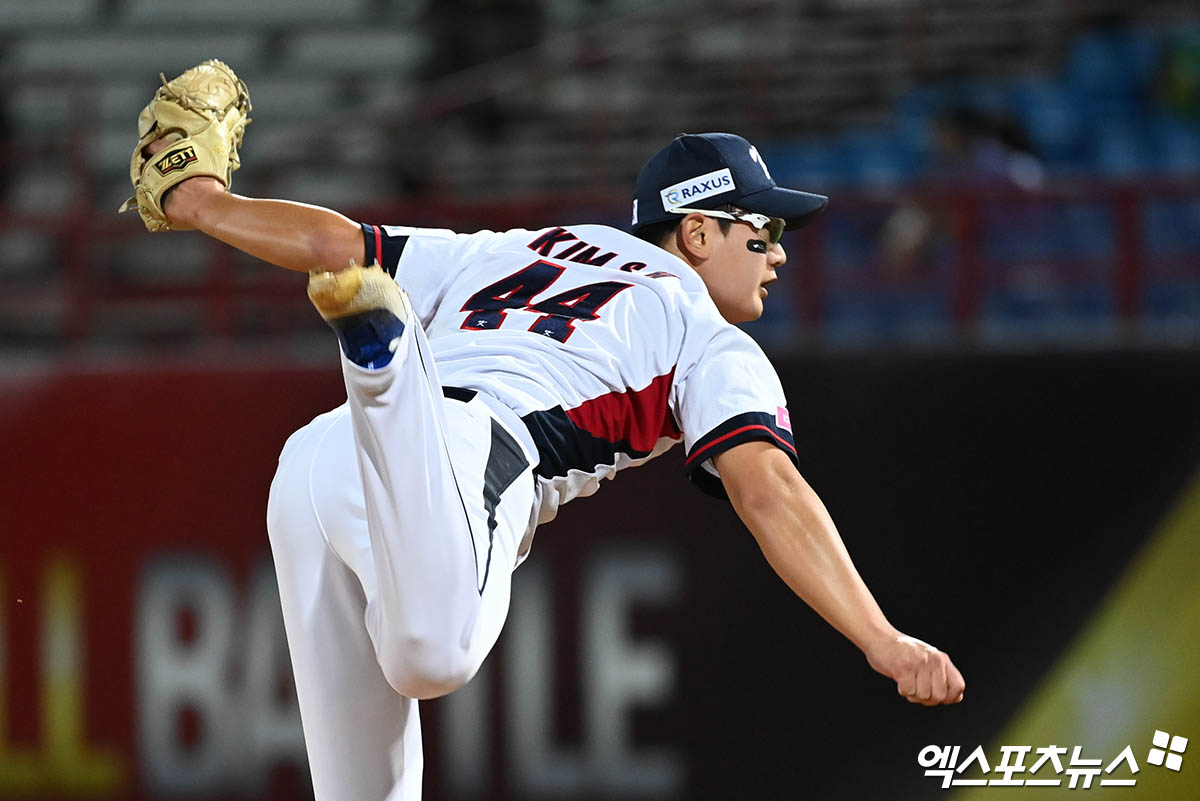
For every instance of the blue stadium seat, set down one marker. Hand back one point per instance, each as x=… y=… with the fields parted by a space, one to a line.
x=877 y=158
x=925 y=101
x=1050 y=116
x=1088 y=231
x=988 y=96
x=1050 y=306
x=1176 y=145
x=1141 y=49
x=811 y=163
x=1120 y=148
x=1178 y=299
x=851 y=240
x=897 y=316
x=1021 y=232
x=1171 y=227
x=915 y=134
x=1098 y=65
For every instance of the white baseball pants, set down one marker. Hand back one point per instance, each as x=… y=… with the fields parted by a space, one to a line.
x=395 y=523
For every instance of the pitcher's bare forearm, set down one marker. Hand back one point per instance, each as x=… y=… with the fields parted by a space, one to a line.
x=801 y=543
x=295 y=236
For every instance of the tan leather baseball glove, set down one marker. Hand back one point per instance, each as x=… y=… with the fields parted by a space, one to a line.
x=203 y=114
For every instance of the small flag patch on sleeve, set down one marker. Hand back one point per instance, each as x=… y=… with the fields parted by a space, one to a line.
x=783 y=419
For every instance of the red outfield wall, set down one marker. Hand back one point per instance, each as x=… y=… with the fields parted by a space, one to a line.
x=650 y=652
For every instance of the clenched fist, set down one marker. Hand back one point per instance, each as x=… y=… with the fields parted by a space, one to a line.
x=923 y=674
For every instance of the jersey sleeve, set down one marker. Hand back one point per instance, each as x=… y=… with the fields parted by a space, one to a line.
x=423 y=261
x=731 y=394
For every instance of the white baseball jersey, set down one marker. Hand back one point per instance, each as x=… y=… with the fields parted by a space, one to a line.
x=609 y=348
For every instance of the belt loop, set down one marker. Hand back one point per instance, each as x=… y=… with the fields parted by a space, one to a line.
x=459 y=394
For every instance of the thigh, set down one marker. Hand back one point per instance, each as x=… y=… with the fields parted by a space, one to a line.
x=363 y=739
x=497 y=485
x=491 y=480
x=494 y=478
x=451 y=569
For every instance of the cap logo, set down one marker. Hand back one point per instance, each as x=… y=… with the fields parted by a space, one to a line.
x=698 y=188
x=757 y=159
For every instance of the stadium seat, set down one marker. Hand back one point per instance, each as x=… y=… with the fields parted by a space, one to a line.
x=122 y=98
x=156 y=260
x=1171 y=227
x=1119 y=147
x=1176 y=145
x=134 y=52
x=1088 y=231
x=1098 y=66
x=725 y=44
x=368 y=51
x=876 y=158
x=925 y=101
x=342 y=188
x=1050 y=116
x=39 y=190
x=282 y=98
x=111 y=149
x=401 y=10
x=20 y=14
x=267 y=12
x=39 y=107
x=1173 y=304
x=26 y=254
x=807 y=163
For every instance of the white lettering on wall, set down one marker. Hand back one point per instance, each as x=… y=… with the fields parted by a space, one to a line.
x=225 y=676
x=618 y=673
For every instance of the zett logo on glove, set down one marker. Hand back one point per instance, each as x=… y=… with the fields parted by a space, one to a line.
x=175 y=160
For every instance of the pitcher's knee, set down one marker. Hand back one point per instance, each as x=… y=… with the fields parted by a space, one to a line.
x=423 y=669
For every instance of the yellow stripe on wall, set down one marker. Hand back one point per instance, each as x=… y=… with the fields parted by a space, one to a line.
x=1135 y=668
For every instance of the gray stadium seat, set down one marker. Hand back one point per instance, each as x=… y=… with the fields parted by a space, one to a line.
x=278 y=99
x=19 y=14
x=364 y=50
x=122 y=99
x=269 y=12
x=342 y=188
x=27 y=253
x=134 y=52
x=43 y=190
x=112 y=147
x=158 y=259
x=38 y=108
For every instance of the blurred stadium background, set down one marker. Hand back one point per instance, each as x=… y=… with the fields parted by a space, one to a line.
x=989 y=343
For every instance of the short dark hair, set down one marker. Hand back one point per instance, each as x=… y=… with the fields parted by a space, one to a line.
x=658 y=233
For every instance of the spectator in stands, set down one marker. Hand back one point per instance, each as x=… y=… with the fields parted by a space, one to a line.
x=971 y=149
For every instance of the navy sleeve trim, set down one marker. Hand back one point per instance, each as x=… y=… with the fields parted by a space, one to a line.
x=748 y=427
x=709 y=484
x=383 y=248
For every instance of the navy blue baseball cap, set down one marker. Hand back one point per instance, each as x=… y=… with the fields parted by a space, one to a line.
x=704 y=171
